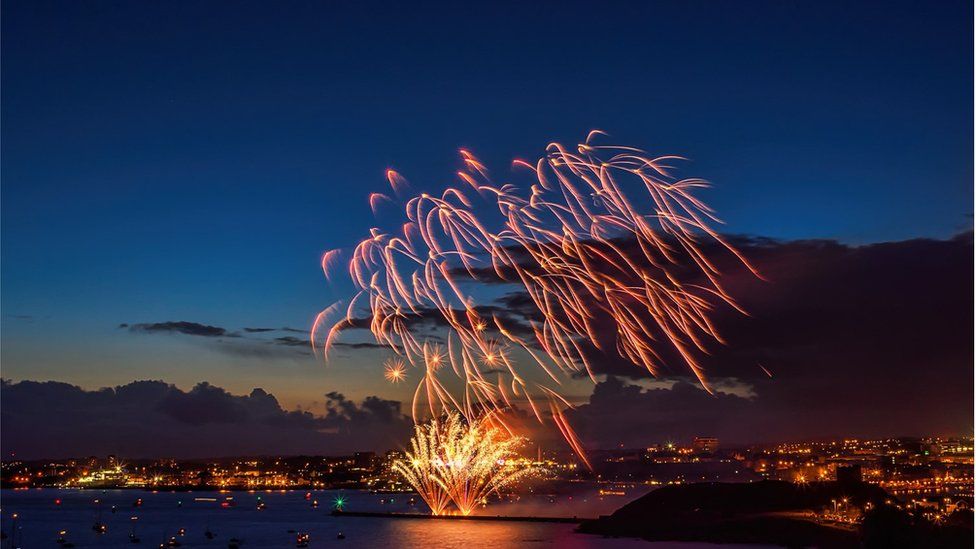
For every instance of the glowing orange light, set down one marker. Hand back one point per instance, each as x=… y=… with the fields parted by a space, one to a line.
x=395 y=371
x=602 y=235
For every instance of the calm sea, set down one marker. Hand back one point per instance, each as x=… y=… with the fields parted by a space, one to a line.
x=42 y=514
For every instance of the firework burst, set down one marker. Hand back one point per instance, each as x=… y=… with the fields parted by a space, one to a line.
x=461 y=462
x=599 y=243
x=421 y=467
x=396 y=370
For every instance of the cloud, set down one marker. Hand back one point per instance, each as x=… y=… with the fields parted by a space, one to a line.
x=622 y=413
x=372 y=409
x=178 y=327
x=362 y=345
x=429 y=320
x=872 y=340
x=869 y=340
x=858 y=312
x=881 y=307
x=283 y=329
x=153 y=418
x=250 y=344
x=852 y=313
x=25 y=318
x=291 y=341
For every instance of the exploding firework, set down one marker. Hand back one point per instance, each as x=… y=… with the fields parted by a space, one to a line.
x=602 y=245
x=396 y=370
x=420 y=469
x=461 y=462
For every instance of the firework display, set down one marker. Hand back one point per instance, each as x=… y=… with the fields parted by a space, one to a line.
x=459 y=461
x=421 y=467
x=607 y=247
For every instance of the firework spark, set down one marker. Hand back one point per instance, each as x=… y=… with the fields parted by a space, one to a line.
x=420 y=469
x=604 y=237
x=396 y=370
x=463 y=462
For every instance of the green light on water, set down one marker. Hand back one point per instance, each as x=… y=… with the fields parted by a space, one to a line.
x=339 y=501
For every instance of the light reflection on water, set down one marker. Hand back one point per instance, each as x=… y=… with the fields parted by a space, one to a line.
x=163 y=514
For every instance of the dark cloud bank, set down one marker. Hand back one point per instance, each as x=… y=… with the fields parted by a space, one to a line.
x=153 y=419
x=860 y=341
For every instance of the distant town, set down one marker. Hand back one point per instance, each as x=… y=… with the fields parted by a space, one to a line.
x=932 y=477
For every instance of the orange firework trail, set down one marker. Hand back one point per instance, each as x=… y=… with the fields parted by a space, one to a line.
x=602 y=238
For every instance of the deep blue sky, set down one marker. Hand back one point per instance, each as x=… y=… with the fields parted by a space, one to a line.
x=189 y=161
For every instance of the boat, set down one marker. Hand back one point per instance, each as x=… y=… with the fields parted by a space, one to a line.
x=302 y=539
x=132 y=531
x=99 y=526
x=341 y=536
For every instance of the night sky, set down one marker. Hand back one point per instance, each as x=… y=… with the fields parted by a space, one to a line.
x=172 y=172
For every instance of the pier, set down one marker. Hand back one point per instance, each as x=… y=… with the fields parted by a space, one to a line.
x=422 y=516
